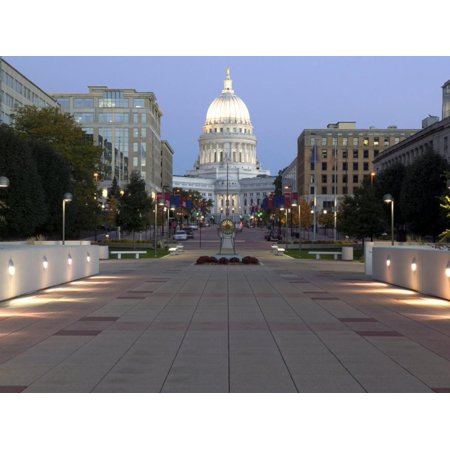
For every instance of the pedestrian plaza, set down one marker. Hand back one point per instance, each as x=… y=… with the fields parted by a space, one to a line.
x=171 y=326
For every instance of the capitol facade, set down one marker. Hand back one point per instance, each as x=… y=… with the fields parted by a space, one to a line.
x=227 y=170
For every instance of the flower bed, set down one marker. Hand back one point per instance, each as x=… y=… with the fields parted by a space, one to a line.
x=225 y=261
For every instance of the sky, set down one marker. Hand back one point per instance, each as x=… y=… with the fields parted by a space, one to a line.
x=284 y=95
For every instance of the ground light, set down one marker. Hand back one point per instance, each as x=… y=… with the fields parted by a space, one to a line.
x=11 y=267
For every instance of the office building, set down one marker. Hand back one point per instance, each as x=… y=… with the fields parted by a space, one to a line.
x=16 y=90
x=333 y=161
x=126 y=124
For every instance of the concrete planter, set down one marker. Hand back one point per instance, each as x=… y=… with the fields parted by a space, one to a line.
x=347 y=253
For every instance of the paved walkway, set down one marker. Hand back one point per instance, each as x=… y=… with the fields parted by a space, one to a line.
x=171 y=326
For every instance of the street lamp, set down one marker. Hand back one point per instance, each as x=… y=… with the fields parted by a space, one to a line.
x=297 y=203
x=4 y=182
x=66 y=198
x=387 y=198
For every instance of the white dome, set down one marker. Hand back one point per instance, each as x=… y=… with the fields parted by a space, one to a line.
x=227 y=107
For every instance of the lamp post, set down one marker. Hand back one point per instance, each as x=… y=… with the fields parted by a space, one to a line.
x=66 y=198
x=157 y=203
x=387 y=198
x=297 y=203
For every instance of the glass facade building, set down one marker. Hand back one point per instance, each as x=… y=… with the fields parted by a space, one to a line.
x=17 y=91
x=126 y=124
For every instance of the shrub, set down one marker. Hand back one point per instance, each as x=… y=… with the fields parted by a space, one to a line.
x=203 y=260
x=223 y=260
x=213 y=259
x=249 y=260
x=234 y=260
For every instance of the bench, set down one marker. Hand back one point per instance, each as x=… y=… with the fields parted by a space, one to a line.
x=335 y=254
x=119 y=253
x=176 y=250
x=277 y=250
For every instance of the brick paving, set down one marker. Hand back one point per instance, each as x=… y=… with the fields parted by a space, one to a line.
x=169 y=325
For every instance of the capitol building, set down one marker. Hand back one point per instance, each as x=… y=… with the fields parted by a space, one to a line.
x=227 y=170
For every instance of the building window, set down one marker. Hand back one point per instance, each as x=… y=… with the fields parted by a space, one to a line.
x=366 y=141
x=324 y=178
x=345 y=142
x=324 y=189
x=324 y=142
x=345 y=153
x=355 y=179
x=376 y=141
x=105 y=117
x=445 y=144
x=386 y=142
x=83 y=102
x=324 y=166
x=366 y=166
x=345 y=190
x=311 y=190
x=366 y=153
x=138 y=103
x=64 y=102
x=312 y=166
x=83 y=117
x=355 y=153
x=324 y=153
x=355 y=166
x=355 y=142
x=113 y=99
x=396 y=140
x=376 y=153
x=344 y=179
x=121 y=117
x=334 y=141
x=344 y=166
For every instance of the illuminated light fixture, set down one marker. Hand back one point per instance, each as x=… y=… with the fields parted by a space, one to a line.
x=388 y=261
x=88 y=257
x=414 y=265
x=11 y=268
x=447 y=270
x=45 y=263
x=69 y=260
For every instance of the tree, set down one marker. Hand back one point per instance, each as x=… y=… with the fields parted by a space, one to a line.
x=135 y=206
x=54 y=172
x=68 y=139
x=445 y=235
x=424 y=184
x=22 y=204
x=361 y=215
x=389 y=181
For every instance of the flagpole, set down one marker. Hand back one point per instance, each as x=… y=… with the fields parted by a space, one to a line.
x=315 y=194
x=335 y=194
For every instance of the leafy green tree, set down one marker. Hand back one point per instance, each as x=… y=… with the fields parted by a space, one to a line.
x=361 y=215
x=445 y=235
x=54 y=172
x=389 y=181
x=135 y=206
x=68 y=139
x=424 y=184
x=22 y=204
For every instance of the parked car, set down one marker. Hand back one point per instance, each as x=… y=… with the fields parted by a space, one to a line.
x=272 y=236
x=180 y=235
x=189 y=232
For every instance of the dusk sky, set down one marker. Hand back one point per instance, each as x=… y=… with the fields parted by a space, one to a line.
x=284 y=95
